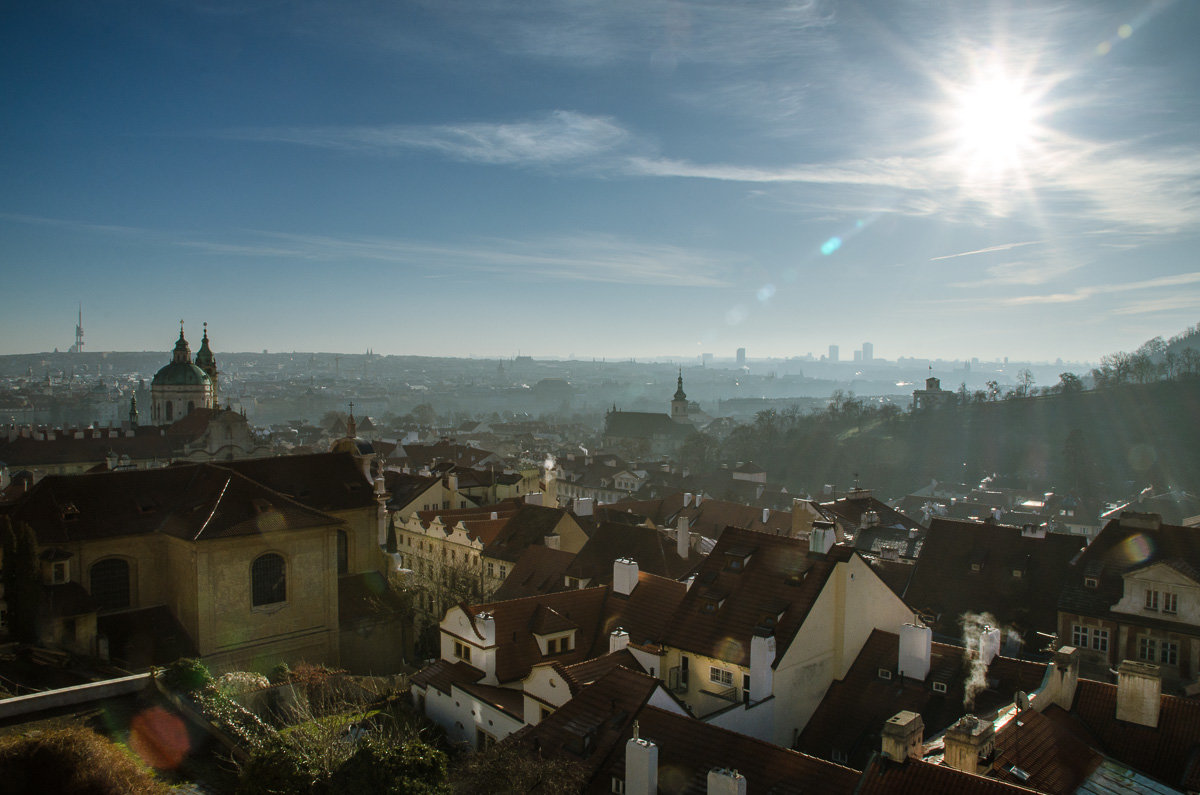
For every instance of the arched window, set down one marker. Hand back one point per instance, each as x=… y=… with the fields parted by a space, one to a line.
x=343 y=552
x=110 y=584
x=268 y=580
x=191 y=406
x=170 y=411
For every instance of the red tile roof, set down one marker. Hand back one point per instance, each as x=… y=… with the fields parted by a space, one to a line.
x=539 y=570
x=773 y=586
x=444 y=674
x=1054 y=759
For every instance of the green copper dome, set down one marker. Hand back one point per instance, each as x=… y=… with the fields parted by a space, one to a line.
x=181 y=371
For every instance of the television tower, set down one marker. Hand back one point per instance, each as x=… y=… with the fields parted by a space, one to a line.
x=78 y=346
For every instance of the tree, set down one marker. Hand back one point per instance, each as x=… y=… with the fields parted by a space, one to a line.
x=22 y=580
x=1069 y=383
x=993 y=389
x=1024 y=382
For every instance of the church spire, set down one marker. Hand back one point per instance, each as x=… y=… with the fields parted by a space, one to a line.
x=351 y=425
x=183 y=352
x=679 y=393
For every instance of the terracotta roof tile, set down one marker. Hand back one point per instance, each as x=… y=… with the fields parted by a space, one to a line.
x=1054 y=759
x=444 y=674
x=539 y=569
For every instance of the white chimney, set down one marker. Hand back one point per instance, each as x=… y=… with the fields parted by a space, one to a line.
x=1064 y=677
x=916 y=646
x=452 y=482
x=551 y=541
x=699 y=499
x=625 y=576
x=687 y=499
x=641 y=765
x=989 y=645
x=726 y=782
x=380 y=486
x=683 y=538
x=493 y=516
x=902 y=736
x=821 y=537
x=766 y=515
x=762 y=675
x=533 y=498
x=1139 y=693
x=618 y=639
x=584 y=506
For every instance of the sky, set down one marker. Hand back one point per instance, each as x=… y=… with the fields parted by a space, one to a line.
x=624 y=178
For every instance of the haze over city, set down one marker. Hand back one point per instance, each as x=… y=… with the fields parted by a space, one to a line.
x=602 y=179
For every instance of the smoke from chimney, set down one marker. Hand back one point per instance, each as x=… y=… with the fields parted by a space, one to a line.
x=973 y=627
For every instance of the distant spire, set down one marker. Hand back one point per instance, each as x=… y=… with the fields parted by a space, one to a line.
x=351 y=425
x=133 y=412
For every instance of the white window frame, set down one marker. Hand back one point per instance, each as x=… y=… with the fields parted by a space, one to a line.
x=1151 y=599
x=1170 y=602
x=462 y=651
x=1080 y=635
x=1100 y=640
x=720 y=676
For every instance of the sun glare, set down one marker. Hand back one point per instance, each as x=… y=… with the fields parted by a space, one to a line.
x=993 y=124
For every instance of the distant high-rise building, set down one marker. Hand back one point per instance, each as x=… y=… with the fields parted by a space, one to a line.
x=868 y=352
x=858 y=356
x=833 y=353
x=741 y=357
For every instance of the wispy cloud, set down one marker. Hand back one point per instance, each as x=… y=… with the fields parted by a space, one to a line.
x=988 y=250
x=558 y=137
x=1084 y=293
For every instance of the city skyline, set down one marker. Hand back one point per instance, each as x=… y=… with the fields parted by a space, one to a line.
x=602 y=180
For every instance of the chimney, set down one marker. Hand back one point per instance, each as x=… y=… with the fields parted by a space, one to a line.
x=618 y=639
x=551 y=541
x=726 y=782
x=584 y=506
x=766 y=515
x=625 y=576
x=1064 y=677
x=683 y=538
x=493 y=516
x=902 y=736
x=762 y=675
x=533 y=498
x=821 y=537
x=641 y=765
x=916 y=645
x=699 y=498
x=1031 y=531
x=1139 y=693
x=687 y=499
x=989 y=645
x=452 y=482
x=969 y=743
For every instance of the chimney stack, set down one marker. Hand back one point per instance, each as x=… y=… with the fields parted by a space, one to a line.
x=902 y=736
x=766 y=515
x=726 y=782
x=687 y=499
x=533 y=498
x=821 y=537
x=625 y=576
x=916 y=646
x=551 y=541
x=989 y=645
x=683 y=537
x=969 y=743
x=641 y=765
x=618 y=639
x=1064 y=677
x=584 y=506
x=1139 y=693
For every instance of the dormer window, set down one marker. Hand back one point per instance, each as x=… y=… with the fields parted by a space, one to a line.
x=939 y=687
x=1090 y=582
x=59 y=572
x=462 y=651
x=885 y=673
x=1151 y=599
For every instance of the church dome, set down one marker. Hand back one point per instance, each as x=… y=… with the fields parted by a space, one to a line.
x=180 y=374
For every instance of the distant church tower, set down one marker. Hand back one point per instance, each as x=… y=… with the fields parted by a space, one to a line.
x=208 y=363
x=182 y=386
x=679 y=404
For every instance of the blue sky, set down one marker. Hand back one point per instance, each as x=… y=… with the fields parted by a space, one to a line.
x=619 y=178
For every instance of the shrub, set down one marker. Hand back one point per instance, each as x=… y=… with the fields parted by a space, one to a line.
x=186 y=675
x=75 y=760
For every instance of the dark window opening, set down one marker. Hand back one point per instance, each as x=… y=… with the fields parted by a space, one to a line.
x=110 y=584
x=268 y=580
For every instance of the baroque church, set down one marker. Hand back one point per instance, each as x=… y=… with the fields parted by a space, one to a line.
x=646 y=433
x=185 y=384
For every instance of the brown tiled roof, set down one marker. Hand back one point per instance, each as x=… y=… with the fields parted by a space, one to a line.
x=547 y=620
x=539 y=570
x=711 y=517
x=944 y=585
x=1169 y=752
x=505 y=699
x=612 y=540
x=193 y=501
x=774 y=589
x=1054 y=759
x=324 y=481
x=588 y=671
x=444 y=674
x=913 y=777
x=404 y=488
x=852 y=713
x=595 y=612
x=1119 y=548
x=896 y=574
x=147 y=444
x=529 y=525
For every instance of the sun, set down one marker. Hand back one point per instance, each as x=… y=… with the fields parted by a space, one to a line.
x=992 y=123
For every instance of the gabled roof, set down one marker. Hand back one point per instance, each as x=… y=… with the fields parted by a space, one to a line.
x=710 y=517
x=404 y=488
x=852 y=713
x=609 y=541
x=968 y=567
x=539 y=570
x=443 y=675
x=529 y=525
x=1132 y=542
x=750 y=581
x=1169 y=752
x=1053 y=758
x=148 y=443
x=325 y=481
x=593 y=612
x=913 y=777
x=193 y=501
